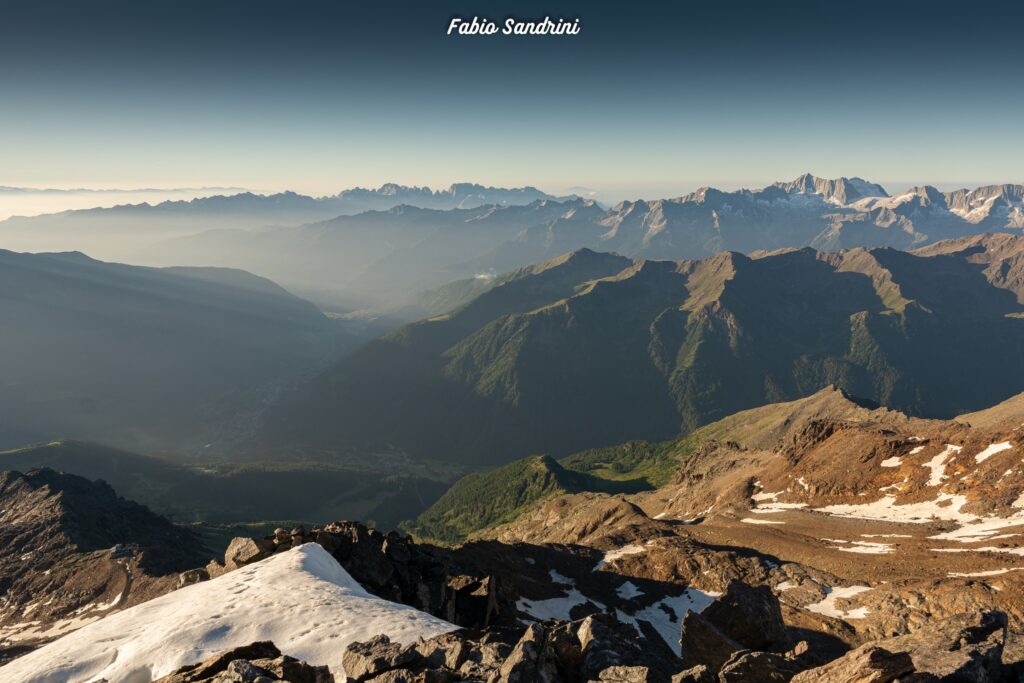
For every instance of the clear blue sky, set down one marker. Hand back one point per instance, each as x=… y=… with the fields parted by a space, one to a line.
x=651 y=99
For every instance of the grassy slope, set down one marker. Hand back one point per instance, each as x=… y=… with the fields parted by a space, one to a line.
x=487 y=499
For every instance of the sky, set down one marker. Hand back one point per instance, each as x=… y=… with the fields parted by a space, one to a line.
x=650 y=99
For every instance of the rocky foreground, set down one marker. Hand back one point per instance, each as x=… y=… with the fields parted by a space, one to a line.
x=815 y=541
x=741 y=635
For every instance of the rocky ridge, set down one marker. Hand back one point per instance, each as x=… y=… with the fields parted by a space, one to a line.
x=73 y=552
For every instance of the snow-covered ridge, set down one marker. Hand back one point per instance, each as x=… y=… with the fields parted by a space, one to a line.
x=302 y=599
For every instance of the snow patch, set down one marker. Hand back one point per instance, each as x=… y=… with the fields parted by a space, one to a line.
x=613 y=555
x=303 y=600
x=666 y=616
x=862 y=547
x=990 y=572
x=992 y=450
x=938 y=464
x=885 y=509
x=828 y=607
x=628 y=591
x=751 y=520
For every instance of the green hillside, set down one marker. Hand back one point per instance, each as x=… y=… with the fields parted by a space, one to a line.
x=487 y=499
x=592 y=350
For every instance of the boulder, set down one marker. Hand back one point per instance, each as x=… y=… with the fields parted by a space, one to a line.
x=448 y=650
x=187 y=578
x=605 y=642
x=254 y=663
x=242 y=551
x=563 y=650
x=626 y=674
x=757 y=667
x=966 y=647
x=695 y=674
x=526 y=662
x=866 y=664
x=703 y=643
x=363 y=661
x=750 y=615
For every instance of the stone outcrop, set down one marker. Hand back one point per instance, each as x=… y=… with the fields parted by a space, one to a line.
x=591 y=649
x=259 y=662
x=966 y=647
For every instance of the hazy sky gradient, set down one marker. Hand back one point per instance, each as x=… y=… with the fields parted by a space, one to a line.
x=648 y=101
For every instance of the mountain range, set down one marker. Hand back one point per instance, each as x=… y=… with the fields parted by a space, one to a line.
x=376 y=248
x=381 y=258
x=593 y=349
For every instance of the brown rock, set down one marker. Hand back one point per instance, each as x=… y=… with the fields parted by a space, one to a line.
x=703 y=643
x=242 y=551
x=256 y=663
x=525 y=664
x=866 y=664
x=604 y=643
x=757 y=667
x=363 y=661
x=695 y=674
x=625 y=674
x=966 y=647
x=751 y=616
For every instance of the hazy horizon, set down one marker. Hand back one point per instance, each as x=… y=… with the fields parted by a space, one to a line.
x=20 y=200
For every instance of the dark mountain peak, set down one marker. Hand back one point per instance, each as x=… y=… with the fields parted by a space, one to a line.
x=74 y=551
x=89 y=513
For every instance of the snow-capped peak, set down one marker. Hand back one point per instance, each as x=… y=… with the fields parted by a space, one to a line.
x=302 y=600
x=842 y=191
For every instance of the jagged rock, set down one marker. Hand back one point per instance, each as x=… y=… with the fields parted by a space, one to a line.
x=294 y=671
x=397 y=676
x=363 y=661
x=447 y=650
x=215 y=568
x=625 y=674
x=563 y=649
x=258 y=662
x=193 y=576
x=751 y=616
x=605 y=643
x=966 y=647
x=526 y=663
x=866 y=664
x=242 y=551
x=703 y=643
x=757 y=667
x=695 y=674
x=484 y=660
